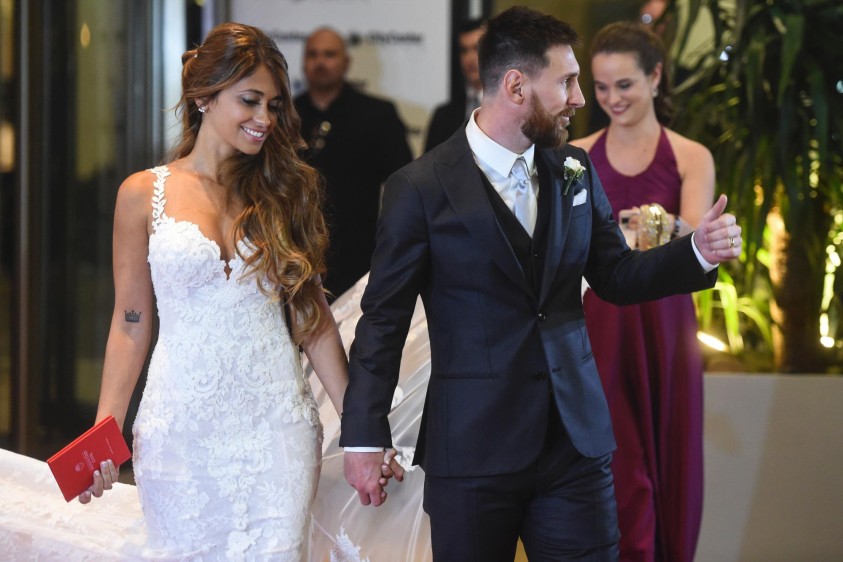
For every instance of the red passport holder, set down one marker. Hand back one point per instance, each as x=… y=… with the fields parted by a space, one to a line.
x=74 y=466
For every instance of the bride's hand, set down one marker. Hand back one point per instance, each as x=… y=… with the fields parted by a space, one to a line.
x=391 y=468
x=104 y=479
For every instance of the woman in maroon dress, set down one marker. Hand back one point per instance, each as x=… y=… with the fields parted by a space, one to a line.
x=647 y=355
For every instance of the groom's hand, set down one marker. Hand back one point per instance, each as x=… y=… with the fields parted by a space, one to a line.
x=364 y=472
x=718 y=237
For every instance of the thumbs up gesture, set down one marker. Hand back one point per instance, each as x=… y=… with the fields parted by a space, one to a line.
x=718 y=237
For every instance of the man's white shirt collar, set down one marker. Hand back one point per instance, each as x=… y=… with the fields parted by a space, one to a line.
x=494 y=160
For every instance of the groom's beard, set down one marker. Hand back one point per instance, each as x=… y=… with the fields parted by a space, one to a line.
x=544 y=129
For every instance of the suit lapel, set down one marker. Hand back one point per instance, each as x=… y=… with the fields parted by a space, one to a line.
x=462 y=183
x=552 y=174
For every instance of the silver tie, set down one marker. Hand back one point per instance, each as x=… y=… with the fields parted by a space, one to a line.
x=525 y=198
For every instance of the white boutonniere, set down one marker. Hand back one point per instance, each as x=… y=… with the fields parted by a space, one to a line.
x=574 y=171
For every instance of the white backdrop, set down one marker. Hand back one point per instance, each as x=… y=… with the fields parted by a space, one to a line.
x=400 y=49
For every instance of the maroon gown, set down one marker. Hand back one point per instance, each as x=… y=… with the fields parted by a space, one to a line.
x=652 y=371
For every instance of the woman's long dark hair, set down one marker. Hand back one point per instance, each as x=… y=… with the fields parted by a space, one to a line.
x=281 y=195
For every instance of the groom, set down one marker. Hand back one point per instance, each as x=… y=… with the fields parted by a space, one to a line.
x=495 y=231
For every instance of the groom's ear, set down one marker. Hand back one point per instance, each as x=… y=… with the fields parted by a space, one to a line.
x=514 y=86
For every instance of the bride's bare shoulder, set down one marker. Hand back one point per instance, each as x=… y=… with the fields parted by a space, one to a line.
x=136 y=192
x=137 y=185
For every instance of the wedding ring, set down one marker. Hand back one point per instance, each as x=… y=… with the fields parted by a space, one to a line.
x=731 y=241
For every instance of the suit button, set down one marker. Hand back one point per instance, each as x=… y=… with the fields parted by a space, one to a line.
x=542 y=316
x=540 y=376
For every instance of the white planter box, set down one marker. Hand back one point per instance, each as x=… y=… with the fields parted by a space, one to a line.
x=773 y=468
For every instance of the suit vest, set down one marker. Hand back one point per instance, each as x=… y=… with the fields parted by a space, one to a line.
x=529 y=251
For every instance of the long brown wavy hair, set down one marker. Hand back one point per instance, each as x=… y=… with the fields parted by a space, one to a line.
x=638 y=39
x=282 y=196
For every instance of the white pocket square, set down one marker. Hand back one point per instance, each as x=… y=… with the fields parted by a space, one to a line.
x=579 y=198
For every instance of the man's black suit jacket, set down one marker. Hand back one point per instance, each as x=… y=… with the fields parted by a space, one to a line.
x=363 y=142
x=487 y=406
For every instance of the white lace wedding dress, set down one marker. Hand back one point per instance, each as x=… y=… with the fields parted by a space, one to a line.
x=227 y=440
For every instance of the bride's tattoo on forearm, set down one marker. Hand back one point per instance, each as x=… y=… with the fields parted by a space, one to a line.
x=132 y=316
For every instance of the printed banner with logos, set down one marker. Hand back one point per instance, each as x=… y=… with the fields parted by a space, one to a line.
x=400 y=49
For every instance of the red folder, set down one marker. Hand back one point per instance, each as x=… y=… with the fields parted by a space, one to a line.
x=74 y=466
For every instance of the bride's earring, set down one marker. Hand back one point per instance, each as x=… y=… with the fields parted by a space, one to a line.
x=202 y=109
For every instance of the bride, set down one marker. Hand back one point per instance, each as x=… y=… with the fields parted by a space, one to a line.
x=225 y=243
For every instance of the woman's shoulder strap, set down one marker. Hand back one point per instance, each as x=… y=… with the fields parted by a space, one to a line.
x=158 y=198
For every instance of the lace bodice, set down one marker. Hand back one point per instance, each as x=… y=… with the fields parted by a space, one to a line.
x=217 y=324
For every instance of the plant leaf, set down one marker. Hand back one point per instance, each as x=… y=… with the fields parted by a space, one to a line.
x=794 y=25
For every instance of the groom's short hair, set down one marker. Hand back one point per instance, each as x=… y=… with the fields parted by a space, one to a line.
x=520 y=38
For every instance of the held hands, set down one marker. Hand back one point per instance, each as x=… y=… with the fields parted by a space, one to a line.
x=104 y=479
x=369 y=474
x=718 y=238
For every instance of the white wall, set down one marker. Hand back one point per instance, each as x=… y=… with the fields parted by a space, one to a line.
x=400 y=49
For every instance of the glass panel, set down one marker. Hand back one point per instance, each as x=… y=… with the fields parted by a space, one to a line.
x=7 y=212
x=81 y=161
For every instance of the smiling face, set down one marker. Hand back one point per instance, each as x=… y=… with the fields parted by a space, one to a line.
x=554 y=97
x=242 y=115
x=622 y=89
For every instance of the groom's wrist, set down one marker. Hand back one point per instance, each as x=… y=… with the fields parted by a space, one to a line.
x=703 y=263
x=364 y=449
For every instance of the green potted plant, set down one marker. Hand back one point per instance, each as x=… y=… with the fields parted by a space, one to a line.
x=767 y=98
